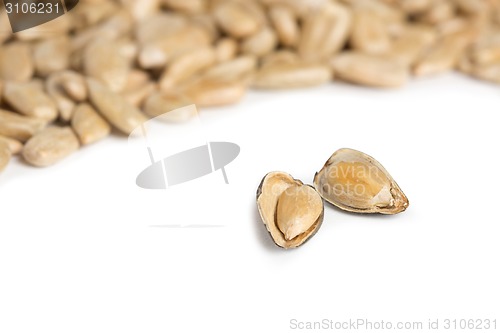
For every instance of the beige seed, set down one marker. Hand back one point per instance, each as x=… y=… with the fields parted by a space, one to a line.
x=5 y=155
x=74 y=85
x=280 y=57
x=257 y=11
x=370 y=70
x=169 y=107
x=138 y=96
x=369 y=33
x=291 y=211
x=486 y=55
x=207 y=23
x=486 y=50
x=117 y=25
x=138 y=87
x=51 y=55
x=451 y=26
x=103 y=60
x=225 y=49
x=488 y=72
x=237 y=69
x=187 y=6
x=415 y=6
x=89 y=13
x=315 y=28
x=299 y=207
x=50 y=146
x=324 y=32
x=143 y=9
x=389 y=14
x=442 y=10
x=341 y=26
x=286 y=25
x=158 y=53
x=207 y=93
x=408 y=47
x=66 y=88
x=261 y=43
x=30 y=100
x=16 y=63
x=472 y=7
x=465 y=65
x=19 y=127
x=299 y=7
x=15 y=146
x=444 y=55
x=235 y=20
x=88 y=125
x=158 y=27
x=114 y=108
x=186 y=66
x=356 y=182
x=285 y=76
x=64 y=104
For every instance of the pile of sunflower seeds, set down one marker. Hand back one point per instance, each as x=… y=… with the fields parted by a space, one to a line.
x=114 y=64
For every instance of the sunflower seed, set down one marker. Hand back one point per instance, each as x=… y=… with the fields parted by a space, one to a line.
x=261 y=43
x=117 y=111
x=50 y=146
x=236 y=69
x=19 y=127
x=169 y=107
x=159 y=26
x=299 y=207
x=283 y=76
x=235 y=20
x=206 y=93
x=139 y=86
x=158 y=53
x=88 y=125
x=441 y=11
x=51 y=55
x=356 y=182
x=408 y=47
x=286 y=25
x=225 y=49
x=16 y=63
x=487 y=72
x=444 y=55
x=186 y=66
x=280 y=57
x=370 y=70
x=291 y=211
x=186 y=6
x=103 y=60
x=15 y=146
x=413 y=7
x=30 y=100
x=74 y=85
x=65 y=105
x=5 y=155
x=369 y=33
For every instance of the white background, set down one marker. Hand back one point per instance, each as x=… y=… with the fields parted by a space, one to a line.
x=82 y=249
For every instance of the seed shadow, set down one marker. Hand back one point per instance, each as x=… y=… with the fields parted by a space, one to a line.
x=262 y=234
